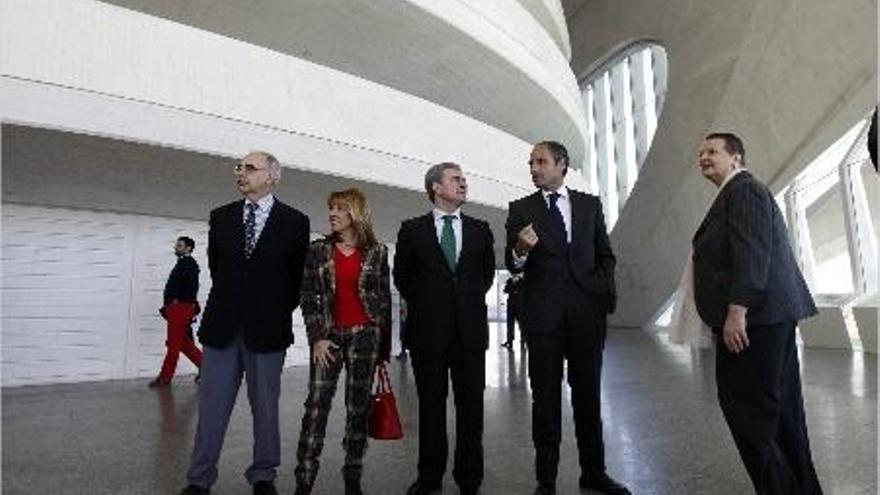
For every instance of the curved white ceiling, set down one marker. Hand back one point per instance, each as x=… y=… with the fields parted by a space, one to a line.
x=490 y=60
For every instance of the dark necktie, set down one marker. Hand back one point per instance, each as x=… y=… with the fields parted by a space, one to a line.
x=250 y=230
x=447 y=241
x=557 y=224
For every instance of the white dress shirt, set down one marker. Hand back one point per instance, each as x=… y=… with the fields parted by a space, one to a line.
x=456 y=228
x=261 y=214
x=564 y=205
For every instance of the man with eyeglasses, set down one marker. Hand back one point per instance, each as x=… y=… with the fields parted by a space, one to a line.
x=256 y=250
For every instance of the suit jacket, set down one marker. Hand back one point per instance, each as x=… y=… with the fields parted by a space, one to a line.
x=183 y=282
x=741 y=255
x=319 y=291
x=587 y=260
x=441 y=303
x=254 y=296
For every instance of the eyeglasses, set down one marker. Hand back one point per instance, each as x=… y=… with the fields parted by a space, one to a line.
x=247 y=168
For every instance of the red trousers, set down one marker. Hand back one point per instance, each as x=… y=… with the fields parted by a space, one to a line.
x=179 y=316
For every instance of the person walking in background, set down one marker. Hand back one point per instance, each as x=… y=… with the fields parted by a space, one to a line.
x=512 y=288
x=256 y=251
x=346 y=305
x=179 y=306
x=749 y=290
x=443 y=267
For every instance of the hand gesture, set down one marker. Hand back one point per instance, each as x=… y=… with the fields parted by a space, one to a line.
x=526 y=240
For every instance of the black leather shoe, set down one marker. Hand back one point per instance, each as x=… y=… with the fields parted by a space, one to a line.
x=468 y=490
x=603 y=484
x=160 y=383
x=265 y=488
x=543 y=489
x=419 y=488
x=195 y=490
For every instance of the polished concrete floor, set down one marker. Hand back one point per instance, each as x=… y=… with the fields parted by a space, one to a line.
x=663 y=429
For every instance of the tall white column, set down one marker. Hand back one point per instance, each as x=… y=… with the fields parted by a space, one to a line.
x=799 y=234
x=606 y=164
x=644 y=103
x=590 y=159
x=624 y=142
x=859 y=230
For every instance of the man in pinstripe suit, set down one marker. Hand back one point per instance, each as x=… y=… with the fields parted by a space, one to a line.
x=748 y=288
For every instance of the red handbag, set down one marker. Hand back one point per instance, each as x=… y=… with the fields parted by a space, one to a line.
x=384 y=418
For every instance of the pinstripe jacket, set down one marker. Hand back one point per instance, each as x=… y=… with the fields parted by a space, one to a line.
x=742 y=256
x=319 y=289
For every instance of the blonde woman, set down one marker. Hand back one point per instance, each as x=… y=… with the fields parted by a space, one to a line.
x=346 y=304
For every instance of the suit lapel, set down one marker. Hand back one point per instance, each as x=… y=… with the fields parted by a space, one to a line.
x=268 y=229
x=430 y=233
x=716 y=204
x=578 y=210
x=542 y=222
x=468 y=236
x=237 y=223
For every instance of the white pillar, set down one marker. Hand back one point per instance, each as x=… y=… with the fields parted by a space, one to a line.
x=606 y=166
x=799 y=234
x=590 y=162
x=859 y=229
x=659 y=64
x=644 y=103
x=624 y=142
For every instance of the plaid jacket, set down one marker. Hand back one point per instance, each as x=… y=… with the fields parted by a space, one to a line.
x=319 y=289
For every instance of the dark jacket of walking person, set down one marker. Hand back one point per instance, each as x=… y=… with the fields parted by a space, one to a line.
x=346 y=305
x=748 y=288
x=179 y=306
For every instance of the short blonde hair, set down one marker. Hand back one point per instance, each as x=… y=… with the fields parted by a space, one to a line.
x=361 y=218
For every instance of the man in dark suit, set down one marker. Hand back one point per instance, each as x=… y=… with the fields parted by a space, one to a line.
x=256 y=250
x=179 y=307
x=443 y=266
x=748 y=288
x=557 y=238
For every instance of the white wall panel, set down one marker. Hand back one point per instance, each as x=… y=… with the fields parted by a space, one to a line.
x=81 y=291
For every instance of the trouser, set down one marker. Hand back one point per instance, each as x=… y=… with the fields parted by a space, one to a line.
x=358 y=351
x=179 y=317
x=432 y=371
x=581 y=340
x=222 y=370
x=512 y=316
x=759 y=391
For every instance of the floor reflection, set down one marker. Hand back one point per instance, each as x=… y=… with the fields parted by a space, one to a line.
x=664 y=432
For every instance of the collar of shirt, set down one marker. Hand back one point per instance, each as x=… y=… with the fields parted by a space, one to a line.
x=563 y=194
x=456 y=227
x=264 y=204
x=439 y=214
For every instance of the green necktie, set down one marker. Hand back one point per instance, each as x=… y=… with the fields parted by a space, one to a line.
x=447 y=241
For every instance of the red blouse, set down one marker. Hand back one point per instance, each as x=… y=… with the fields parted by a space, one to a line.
x=349 y=310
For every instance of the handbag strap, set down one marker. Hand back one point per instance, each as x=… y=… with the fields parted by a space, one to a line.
x=383 y=382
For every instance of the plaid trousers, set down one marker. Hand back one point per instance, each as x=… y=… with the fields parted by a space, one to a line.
x=358 y=351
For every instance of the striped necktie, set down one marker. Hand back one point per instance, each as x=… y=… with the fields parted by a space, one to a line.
x=250 y=230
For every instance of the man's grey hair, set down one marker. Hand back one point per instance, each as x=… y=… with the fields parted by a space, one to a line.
x=271 y=162
x=434 y=175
